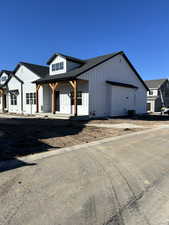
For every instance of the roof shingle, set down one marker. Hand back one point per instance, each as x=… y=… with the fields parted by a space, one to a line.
x=84 y=67
x=40 y=71
x=155 y=83
x=88 y=64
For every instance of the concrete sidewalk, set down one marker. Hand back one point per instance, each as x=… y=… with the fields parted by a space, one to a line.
x=119 y=125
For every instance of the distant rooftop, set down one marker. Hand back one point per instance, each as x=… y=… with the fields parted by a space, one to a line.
x=155 y=83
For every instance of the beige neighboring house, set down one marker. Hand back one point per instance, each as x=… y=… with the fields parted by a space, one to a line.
x=158 y=96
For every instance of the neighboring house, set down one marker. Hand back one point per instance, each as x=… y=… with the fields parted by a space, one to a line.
x=19 y=90
x=158 y=96
x=4 y=78
x=103 y=86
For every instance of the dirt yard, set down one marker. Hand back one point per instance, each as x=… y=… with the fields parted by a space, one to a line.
x=146 y=120
x=19 y=136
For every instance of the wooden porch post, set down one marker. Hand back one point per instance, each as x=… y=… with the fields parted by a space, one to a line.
x=37 y=97
x=75 y=97
x=2 y=95
x=53 y=87
x=74 y=85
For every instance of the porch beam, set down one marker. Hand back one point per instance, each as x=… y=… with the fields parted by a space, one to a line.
x=72 y=84
x=37 y=97
x=1 y=92
x=53 y=87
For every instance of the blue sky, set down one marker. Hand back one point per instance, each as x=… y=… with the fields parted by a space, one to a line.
x=33 y=30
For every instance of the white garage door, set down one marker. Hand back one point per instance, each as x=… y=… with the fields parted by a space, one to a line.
x=122 y=100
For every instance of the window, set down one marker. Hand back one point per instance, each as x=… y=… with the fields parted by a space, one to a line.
x=31 y=98
x=151 y=92
x=79 y=98
x=13 y=99
x=3 y=78
x=57 y=66
x=148 y=106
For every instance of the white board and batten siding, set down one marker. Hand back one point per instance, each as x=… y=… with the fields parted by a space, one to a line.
x=27 y=77
x=14 y=84
x=57 y=59
x=65 y=91
x=67 y=65
x=107 y=100
x=3 y=79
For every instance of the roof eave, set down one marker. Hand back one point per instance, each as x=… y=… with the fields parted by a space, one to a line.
x=39 y=81
x=135 y=71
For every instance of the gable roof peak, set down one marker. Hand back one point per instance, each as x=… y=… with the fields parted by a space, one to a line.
x=39 y=70
x=5 y=71
x=67 y=57
x=156 y=83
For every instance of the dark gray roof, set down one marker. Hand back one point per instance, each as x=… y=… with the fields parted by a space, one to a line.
x=89 y=64
x=155 y=83
x=5 y=71
x=84 y=67
x=8 y=72
x=40 y=71
x=70 y=58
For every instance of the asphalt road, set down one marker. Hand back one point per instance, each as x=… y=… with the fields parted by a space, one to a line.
x=121 y=182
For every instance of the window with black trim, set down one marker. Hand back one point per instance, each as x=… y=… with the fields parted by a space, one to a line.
x=31 y=98
x=3 y=79
x=79 y=98
x=57 y=66
x=13 y=99
x=151 y=92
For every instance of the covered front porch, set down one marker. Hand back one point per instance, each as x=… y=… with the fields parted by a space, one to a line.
x=63 y=98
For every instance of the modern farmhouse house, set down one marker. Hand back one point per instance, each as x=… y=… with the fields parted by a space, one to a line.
x=158 y=96
x=103 y=86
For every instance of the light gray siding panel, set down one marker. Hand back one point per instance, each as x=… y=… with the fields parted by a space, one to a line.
x=115 y=69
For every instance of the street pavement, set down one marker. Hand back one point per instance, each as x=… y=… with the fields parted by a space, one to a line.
x=120 y=182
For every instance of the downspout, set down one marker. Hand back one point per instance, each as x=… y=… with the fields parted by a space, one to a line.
x=162 y=99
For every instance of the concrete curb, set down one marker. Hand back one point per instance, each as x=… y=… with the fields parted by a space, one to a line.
x=51 y=153
x=43 y=155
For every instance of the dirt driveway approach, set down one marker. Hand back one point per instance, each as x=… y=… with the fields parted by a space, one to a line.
x=20 y=136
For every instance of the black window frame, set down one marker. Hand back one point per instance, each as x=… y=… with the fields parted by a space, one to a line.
x=58 y=66
x=79 y=98
x=13 y=99
x=151 y=92
x=30 y=98
x=3 y=78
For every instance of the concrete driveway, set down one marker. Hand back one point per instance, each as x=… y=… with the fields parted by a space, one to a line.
x=119 y=182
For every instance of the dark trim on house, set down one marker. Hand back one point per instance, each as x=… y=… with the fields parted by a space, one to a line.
x=8 y=72
x=134 y=70
x=121 y=84
x=108 y=57
x=69 y=58
x=99 y=63
x=46 y=80
x=54 y=80
x=13 y=75
x=38 y=70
